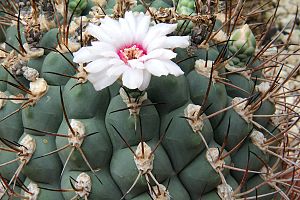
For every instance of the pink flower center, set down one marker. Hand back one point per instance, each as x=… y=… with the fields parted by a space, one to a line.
x=134 y=51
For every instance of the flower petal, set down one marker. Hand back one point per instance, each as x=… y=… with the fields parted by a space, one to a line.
x=146 y=80
x=130 y=18
x=156 y=67
x=97 y=32
x=136 y=64
x=101 y=80
x=173 y=68
x=127 y=33
x=132 y=78
x=176 y=41
x=143 y=22
x=162 y=54
x=88 y=54
x=83 y=55
x=112 y=28
x=103 y=45
x=116 y=70
x=98 y=65
x=169 y=42
x=158 y=30
x=163 y=67
x=156 y=43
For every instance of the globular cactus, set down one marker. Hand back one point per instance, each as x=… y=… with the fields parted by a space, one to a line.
x=99 y=101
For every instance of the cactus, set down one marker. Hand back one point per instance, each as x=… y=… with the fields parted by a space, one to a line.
x=117 y=104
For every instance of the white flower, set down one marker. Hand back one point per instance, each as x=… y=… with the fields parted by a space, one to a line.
x=131 y=49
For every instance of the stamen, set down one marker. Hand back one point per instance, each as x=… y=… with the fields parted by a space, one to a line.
x=131 y=52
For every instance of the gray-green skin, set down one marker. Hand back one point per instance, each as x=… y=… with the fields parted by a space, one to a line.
x=181 y=140
x=238 y=129
x=217 y=96
x=245 y=86
x=175 y=188
x=78 y=106
x=138 y=8
x=257 y=158
x=186 y=58
x=213 y=195
x=124 y=175
x=13 y=90
x=3 y=77
x=36 y=63
x=125 y=123
x=2 y=34
x=106 y=189
x=171 y=92
x=200 y=183
x=45 y=115
x=265 y=189
x=55 y=62
x=45 y=169
x=77 y=6
x=11 y=34
x=49 y=40
x=166 y=164
x=267 y=107
x=99 y=141
x=11 y=197
x=12 y=127
x=185 y=7
x=8 y=171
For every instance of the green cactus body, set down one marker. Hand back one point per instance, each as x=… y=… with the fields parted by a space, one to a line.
x=265 y=189
x=125 y=175
x=2 y=35
x=77 y=6
x=99 y=141
x=49 y=40
x=159 y=4
x=186 y=60
x=46 y=169
x=267 y=108
x=64 y=138
x=106 y=190
x=172 y=92
x=9 y=170
x=127 y=123
x=175 y=188
x=213 y=195
x=8 y=197
x=193 y=180
x=184 y=142
x=243 y=88
x=56 y=63
x=238 y=128
x=80 y=107
x=240 y=159
x=45 y=115
x=11 y=37
x=12 y=127
x=185 y=7
x=36 y=63
x=3 y=76
x=242 y=46
x=13 y=90
x=198 y=87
